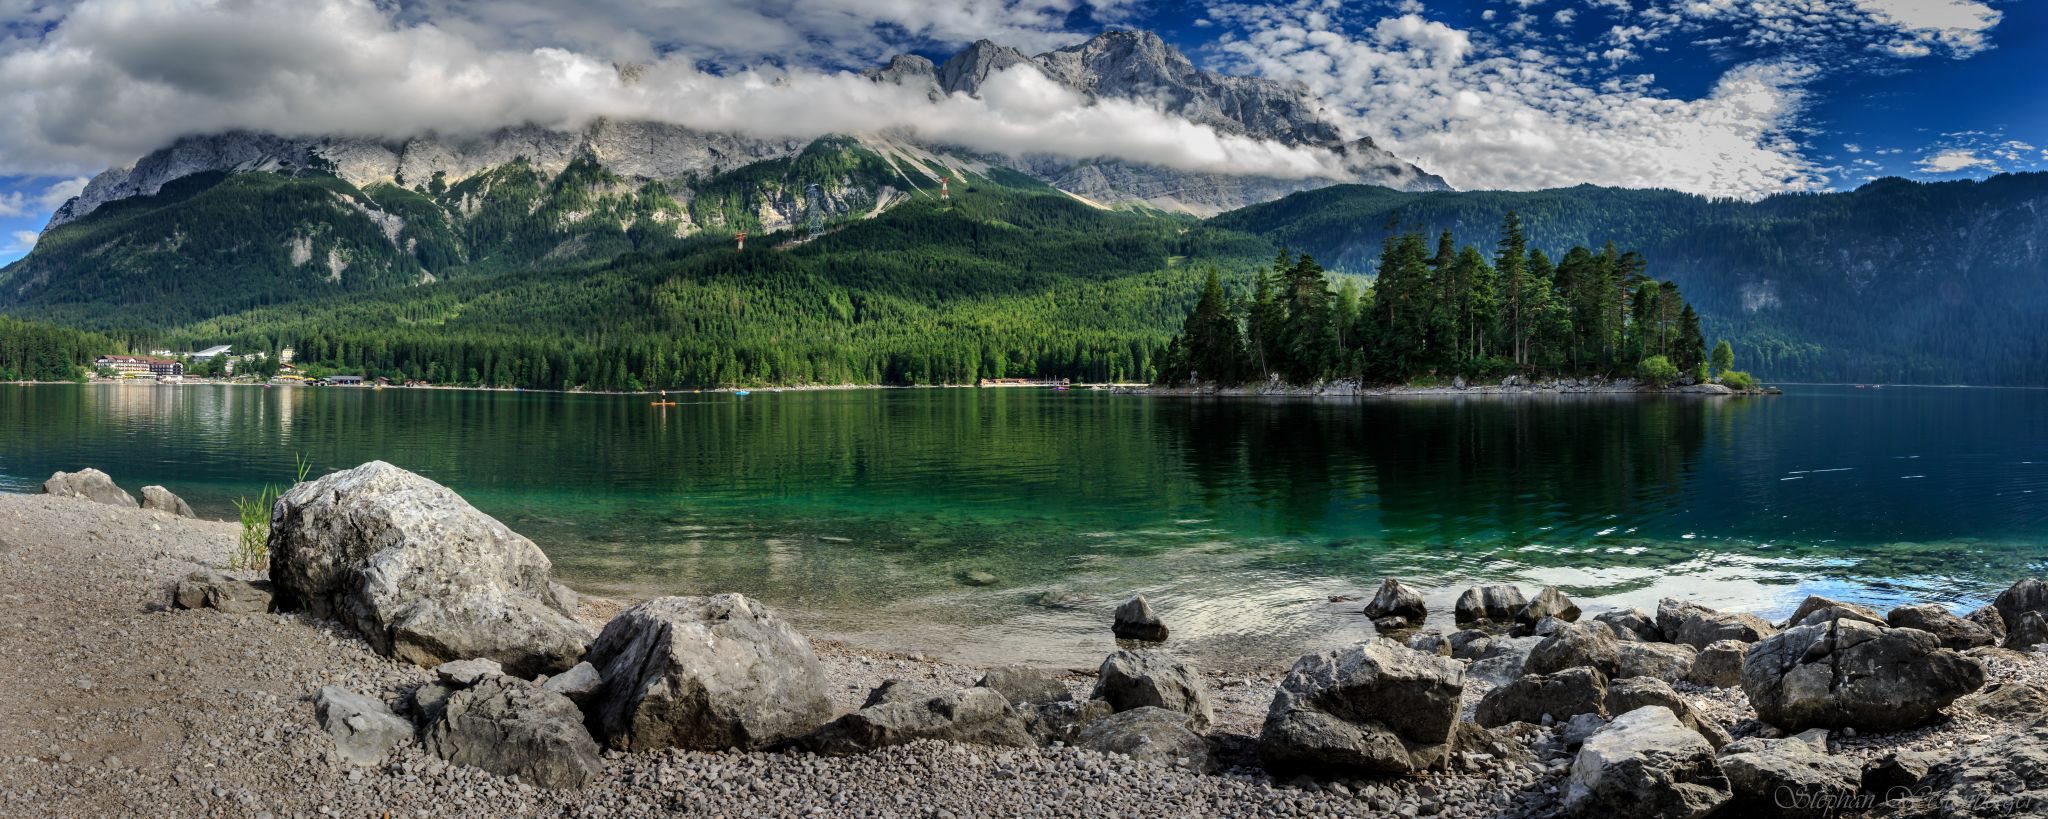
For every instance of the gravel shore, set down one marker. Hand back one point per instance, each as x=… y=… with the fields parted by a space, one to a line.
x=115 y=705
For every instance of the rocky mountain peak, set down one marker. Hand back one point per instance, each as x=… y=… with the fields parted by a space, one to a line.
x=967 y=70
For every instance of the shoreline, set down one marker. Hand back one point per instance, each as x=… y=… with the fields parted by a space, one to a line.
x=1337 y=389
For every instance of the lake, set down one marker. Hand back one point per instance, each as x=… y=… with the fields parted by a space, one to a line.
x=868 y=514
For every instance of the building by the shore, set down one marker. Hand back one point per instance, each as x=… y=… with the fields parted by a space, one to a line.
x=142 y=366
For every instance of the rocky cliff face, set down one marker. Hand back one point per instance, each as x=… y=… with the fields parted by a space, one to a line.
x=1131 y=65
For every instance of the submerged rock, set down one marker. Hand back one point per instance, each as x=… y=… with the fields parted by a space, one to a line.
x=1135 y=620
x=704 y=673
x=88 y=484
x=1377 y=707
x=418 y=572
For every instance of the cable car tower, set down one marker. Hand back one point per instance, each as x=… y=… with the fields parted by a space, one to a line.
x=742 y=239
x=814 y=210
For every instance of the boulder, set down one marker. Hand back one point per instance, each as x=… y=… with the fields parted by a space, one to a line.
x=704 y=673
x=1135 y=620
x=1580 y=728
x=157 y=498
x=1062 y=721
x=512 y=727
x=1153 y=735
x=2029 y=594
x=1535 y=697
x=1548 y=626
x=1895 y=775
x=88 y=484
x=1574 y=645
x=1850 y=674
x=975 y=716
x=2013 y=703
x=465 y=673
x=2026 y=631
x=578 y=684
x=1503 y=659
x=1952 y=631
x=1698 y=626
x=1670 y=662
x=1396 y=600
x=1429 y=643
x=363 y=727
x=2005 y=775
x=1990 y=619
x=213 y=590
x=1496 y=603
x=902 y=691
x=1468 y=644
x=1719 y=665
x=1479 y=748
x=419 y=573
x=1816 y=608
x=1631 y=625
x=1788 y=778
x=1375 y=707
x=1550 y=602
x=1024 y=685
x=1645 y=764
x=1146 y=677
x=1628 y=695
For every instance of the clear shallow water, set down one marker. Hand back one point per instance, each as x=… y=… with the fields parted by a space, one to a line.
x=861 y=512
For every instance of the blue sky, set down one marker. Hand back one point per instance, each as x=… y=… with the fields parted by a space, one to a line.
x=1722 y=97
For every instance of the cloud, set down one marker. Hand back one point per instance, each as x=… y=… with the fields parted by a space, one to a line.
x=20 y=241
x=118 y=78
x=1523 y=119
x=1954 y=160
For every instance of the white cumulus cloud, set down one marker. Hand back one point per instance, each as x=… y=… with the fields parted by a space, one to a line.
x=1956 y=159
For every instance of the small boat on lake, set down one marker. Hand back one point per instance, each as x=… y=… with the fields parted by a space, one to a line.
x=742 y=393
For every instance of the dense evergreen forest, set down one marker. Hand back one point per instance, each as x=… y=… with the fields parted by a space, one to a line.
x=1453 y=313
x=586 y=280
x=39 y=352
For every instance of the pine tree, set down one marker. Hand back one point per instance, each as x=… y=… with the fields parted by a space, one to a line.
x=1516 y=289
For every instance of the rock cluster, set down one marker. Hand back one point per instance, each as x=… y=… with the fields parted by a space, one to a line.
x=88 y=484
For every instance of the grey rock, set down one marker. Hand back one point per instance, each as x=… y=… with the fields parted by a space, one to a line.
x=1153 y=735
x=1646 y=764
x=578 y=683
x=1559 y=696
x=1147 y=677
x=1135 y=620
x=1719 y=665
x=2029 y=594
x=1548 y=626
x=1024 y=685
x=902 y=691
x=364 y=729
x=1816 y=608
x=1502 y=660
x=1395 y=599
x=1574 y=645
x=1375 y=707
x=1469 y=644
x=212 y=590
x=704 y=673
x=2028 y=630
x=1670 y=662
x=1550 y=602
x=1698 y=626
x=159 y=499
x=511 y=727
x=1953 y=632
x=1631 y=625
x=1581 y=727
x=1487 y=749
x=1628 y=695
x=1430 y=643
x=418 y=572
x=1062 y=721
x=465 y=673
x=2003 y=776
x=88 y=484
x=1850 y=674
x=1816 y=737
x=1787 y=777
x=1896 y=774
x=1990 y=619
x=975 y=716
x=1495 y=603
x=2014 y=703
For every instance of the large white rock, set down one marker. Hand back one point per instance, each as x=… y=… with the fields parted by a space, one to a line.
x=419 y=573
x=88 y=484
x=705 y=673
x=1646 y=765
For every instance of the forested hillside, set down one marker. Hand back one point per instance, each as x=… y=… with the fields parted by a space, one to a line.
x=38 y=352
x=1897 y=281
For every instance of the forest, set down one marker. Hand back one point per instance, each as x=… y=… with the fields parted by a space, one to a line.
x=1452 y=313
x=39 y=352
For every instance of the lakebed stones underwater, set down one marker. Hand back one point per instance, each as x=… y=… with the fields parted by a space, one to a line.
x=488 y=715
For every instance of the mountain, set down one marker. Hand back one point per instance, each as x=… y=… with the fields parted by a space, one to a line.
x=1897 y=281
x=1138 y=65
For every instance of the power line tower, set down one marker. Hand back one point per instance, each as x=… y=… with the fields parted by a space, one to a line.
x=814 y=209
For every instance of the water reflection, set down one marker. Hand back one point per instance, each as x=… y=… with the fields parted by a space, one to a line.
x=864 y=512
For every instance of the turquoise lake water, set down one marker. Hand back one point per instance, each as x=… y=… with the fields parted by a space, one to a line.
x=862 y=513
